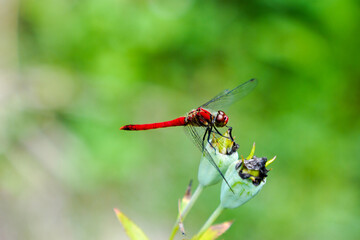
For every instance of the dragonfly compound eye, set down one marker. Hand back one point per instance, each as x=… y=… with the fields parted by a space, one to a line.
x=221 y=119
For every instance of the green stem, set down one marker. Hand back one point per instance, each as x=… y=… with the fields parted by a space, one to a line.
x=211 y=220
x=186 y=210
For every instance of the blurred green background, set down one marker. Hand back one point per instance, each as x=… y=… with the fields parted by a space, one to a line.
x=73 y=72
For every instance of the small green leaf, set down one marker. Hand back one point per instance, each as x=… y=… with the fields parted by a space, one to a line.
x=214 y=231
x=133 y=231
x=252 y=152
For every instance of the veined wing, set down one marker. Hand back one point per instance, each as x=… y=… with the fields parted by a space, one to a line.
x=227 y=97
x=196 y=134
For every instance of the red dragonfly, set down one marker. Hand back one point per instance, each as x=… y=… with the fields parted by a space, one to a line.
x=201 y=122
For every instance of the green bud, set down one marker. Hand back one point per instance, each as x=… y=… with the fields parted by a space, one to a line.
x=246 y=178
x=224 y=154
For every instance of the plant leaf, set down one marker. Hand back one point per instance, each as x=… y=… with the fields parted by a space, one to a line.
x=186 y=198
x=214 y=231
x=133 y=231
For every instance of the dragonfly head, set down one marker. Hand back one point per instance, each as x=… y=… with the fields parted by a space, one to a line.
x=221 y=119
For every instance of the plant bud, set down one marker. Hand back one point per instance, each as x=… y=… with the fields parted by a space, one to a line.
x=246 y=178
x=223 y=151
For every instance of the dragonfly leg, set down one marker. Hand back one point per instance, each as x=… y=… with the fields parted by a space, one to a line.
x=217 y=131
x=209 y=135
x=230 y=133
x=203 y=140
x=235 y=146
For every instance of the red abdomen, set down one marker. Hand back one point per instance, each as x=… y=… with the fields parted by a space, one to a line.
x=181 y=121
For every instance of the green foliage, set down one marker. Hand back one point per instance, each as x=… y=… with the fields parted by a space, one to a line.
x=133 y=231
x=214 y=231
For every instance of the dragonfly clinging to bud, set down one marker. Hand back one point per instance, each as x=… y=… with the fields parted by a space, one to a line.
x=201 y=122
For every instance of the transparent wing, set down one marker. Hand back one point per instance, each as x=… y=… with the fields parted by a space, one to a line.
x=224 y=99
x=197 y=134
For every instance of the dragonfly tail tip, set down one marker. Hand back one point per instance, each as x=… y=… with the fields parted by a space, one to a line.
x=126 y=127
